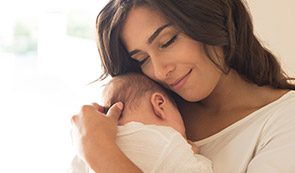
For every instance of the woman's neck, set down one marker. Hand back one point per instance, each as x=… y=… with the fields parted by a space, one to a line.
x=232 y=99
x=232 y=92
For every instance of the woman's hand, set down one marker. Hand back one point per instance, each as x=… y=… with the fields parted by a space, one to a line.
x=95 y=132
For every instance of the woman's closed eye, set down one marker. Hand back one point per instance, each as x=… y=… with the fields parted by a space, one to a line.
x=143 y=61
x=141 y=58
x=169 y=42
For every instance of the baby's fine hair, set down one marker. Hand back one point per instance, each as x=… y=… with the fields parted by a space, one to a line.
x=131 y=89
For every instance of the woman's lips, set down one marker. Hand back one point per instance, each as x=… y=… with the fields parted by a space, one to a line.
x=180 y=82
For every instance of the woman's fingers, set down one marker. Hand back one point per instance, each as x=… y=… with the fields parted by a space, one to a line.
x=92 y=128
x=98 y=107
x=115 y=111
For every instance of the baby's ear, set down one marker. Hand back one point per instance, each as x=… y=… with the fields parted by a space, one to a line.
x=159 y=102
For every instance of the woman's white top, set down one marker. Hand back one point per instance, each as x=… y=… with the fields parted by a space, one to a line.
x=262 y=142
x=155 y=149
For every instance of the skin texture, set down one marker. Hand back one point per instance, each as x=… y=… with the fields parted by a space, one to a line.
x=217 y=100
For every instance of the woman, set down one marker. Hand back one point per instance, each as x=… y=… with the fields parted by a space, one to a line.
x=236 y=101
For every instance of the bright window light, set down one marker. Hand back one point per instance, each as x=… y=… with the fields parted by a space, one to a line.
x=48 y=55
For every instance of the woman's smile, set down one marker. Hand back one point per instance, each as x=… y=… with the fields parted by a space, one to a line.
x=178 y=84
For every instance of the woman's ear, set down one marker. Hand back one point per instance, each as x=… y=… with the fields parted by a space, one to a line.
x=159 y=102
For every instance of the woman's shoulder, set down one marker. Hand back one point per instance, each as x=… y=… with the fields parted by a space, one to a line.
x=281 y=108
x=275 y=125
x=281 y=113
x=285 y=102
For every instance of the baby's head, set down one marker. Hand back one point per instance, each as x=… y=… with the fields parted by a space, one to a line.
x=144 y=101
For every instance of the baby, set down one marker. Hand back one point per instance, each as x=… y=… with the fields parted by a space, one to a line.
x=151 y=132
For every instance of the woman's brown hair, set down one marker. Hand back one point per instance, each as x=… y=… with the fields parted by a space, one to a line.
x=224 y=23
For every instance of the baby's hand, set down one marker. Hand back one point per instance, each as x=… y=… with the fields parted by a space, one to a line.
x=194 y=147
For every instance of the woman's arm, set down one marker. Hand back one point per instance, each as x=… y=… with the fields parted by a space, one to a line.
x=95 y=135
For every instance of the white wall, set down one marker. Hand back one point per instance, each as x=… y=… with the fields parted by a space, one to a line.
x=274 y=24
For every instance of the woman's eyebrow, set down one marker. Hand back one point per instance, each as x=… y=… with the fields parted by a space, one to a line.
x=151 y=38
x=157 y=32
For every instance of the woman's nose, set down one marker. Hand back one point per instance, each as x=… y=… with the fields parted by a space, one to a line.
x=163 y=70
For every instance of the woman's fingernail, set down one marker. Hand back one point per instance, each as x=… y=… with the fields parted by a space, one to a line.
x=120 y=105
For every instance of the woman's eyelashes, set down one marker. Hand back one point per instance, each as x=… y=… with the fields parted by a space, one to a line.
x=162 y=46
x=143 y=61
x=169 y=42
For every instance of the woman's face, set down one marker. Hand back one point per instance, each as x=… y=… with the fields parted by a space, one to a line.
x=169 y=56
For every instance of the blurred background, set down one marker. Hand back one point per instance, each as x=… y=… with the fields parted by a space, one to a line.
x=48 y=55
